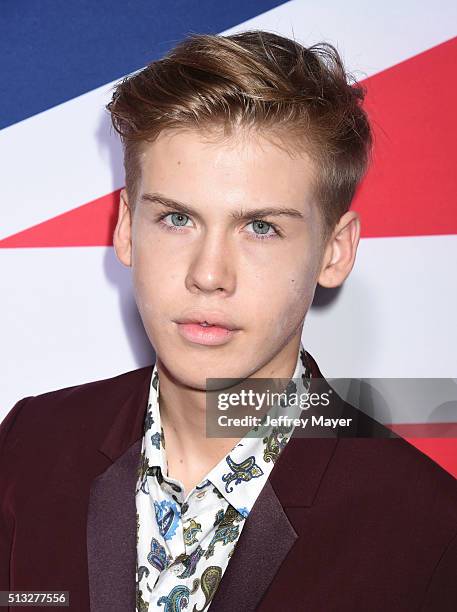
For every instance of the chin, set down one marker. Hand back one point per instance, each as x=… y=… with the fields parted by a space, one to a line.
x=191 y=364
x=196 y=376
x=191 y=380
x=192 y=370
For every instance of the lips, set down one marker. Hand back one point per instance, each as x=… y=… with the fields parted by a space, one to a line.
x=209 y=320
x=206 y=328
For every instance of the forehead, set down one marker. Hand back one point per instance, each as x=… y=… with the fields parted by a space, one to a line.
x=192 y=166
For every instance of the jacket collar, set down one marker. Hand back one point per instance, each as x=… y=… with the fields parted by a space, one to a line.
x=312 y=454
x=127 y=426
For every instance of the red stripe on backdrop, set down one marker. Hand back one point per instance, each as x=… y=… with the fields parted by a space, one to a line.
x=88 y=225
x=424 y=430
x=411 y=187
x=442 y=451
x=437 y=440
x=409 y=190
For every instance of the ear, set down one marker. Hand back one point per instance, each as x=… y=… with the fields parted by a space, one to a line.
x=340 y=251
x=122 y=237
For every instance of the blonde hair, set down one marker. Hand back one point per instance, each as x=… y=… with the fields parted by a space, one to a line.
x=260 y=80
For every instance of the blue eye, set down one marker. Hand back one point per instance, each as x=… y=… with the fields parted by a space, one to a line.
x=179 y=219
x=261 y=226
x=262 y=230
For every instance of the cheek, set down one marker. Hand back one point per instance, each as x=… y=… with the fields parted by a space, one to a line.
x=156 y=262
x=289 y=297
x=286 y=283
x=153 y=280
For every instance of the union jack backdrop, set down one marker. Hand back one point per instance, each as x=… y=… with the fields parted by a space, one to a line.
x=68 y=311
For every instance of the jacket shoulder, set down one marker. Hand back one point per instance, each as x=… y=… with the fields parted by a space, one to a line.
x=82 y=410
x=394 y=474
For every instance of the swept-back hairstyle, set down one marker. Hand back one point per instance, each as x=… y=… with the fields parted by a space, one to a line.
x=300 y=96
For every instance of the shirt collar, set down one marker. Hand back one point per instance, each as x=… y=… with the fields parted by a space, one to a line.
x=242 y=473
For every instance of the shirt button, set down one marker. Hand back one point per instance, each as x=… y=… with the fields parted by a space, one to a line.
x=201 y=494
x=177 y=569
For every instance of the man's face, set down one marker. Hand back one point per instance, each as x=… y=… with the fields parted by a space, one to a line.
x=219 y=262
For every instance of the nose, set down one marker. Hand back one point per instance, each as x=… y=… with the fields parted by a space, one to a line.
x=212 y=268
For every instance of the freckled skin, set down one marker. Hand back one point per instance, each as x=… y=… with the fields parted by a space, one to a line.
x=215 y=262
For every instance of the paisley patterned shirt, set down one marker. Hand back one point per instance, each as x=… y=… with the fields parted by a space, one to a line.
x=184 y=543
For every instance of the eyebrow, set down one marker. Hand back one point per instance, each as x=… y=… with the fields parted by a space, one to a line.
x=253 y=213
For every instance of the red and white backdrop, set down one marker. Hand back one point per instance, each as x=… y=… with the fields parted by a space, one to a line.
x=68 y=315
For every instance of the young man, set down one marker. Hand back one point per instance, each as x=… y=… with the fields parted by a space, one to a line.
x=242 y=156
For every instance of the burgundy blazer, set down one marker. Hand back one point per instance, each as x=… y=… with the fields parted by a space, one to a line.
x=343 y=524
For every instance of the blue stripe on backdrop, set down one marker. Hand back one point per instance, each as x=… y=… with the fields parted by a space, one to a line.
x=54 y=50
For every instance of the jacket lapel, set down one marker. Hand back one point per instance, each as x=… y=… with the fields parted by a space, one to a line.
x=111 y=535
x=268 y=535
x=265 y=540
x=111 y=518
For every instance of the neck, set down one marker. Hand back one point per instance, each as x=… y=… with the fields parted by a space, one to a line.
x=190 y=453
